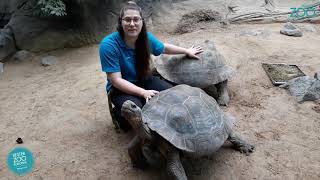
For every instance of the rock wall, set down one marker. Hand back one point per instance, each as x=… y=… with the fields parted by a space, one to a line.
x=7 y=8
x=86 y=22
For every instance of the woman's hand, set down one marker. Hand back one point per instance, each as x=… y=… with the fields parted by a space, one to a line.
x=191 y=52
x=148 y=94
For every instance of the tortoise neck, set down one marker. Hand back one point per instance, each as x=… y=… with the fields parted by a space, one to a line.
x=136 y=123
x=145 y=131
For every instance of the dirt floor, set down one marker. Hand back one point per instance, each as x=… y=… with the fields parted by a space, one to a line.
x=61 y=112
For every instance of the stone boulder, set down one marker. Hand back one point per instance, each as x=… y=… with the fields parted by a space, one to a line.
x=7 y=43
x=304 y=88
x=86 y=22
x=21 y=55
x=290 y=29
x=49 y=60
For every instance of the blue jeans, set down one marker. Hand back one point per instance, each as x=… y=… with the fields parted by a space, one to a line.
x=119 y=97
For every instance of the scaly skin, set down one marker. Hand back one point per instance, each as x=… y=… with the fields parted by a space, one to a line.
x=240 y=145
x=135 y=153
x=223 y=96
x=174 y=167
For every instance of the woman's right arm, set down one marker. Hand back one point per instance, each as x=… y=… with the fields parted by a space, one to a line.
x=128 y=87
x=109 y=57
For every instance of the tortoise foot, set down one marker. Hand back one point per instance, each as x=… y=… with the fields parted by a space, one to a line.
x=240 y=144
x=246 y=148
x=223 y=99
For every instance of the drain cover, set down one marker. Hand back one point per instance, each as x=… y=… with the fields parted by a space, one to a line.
x=281 y=73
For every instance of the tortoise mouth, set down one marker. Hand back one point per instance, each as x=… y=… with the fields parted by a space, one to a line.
x=128 y=113
x=125 y=111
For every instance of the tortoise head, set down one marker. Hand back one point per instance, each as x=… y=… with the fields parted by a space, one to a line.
x=132 y=113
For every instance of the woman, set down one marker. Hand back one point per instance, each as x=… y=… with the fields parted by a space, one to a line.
x=125 y=57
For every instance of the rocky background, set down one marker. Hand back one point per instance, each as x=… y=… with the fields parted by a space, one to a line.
x=87 y=21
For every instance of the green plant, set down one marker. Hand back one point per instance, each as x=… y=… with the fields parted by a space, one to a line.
x=51 y=7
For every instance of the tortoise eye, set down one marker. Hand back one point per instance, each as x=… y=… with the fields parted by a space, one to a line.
x=133 y=106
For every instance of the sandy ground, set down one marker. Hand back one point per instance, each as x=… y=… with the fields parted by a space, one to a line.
x=61 y=113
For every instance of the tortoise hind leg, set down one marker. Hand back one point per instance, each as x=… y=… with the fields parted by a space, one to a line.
x=239 y=144
x=223 y=96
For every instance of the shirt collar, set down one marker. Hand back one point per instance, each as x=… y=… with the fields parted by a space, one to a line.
x=121 y=42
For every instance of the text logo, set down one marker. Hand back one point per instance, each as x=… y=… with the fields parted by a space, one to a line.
x=20 y=161
x=305 y=12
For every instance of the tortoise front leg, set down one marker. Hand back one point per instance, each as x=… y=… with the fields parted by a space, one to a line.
x=152 y=155
x=174 y=166
x=135 y=153
x=223 y=95
x=239 y=144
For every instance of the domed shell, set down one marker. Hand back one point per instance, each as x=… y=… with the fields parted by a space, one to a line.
x=189 y=119
x=210 y=69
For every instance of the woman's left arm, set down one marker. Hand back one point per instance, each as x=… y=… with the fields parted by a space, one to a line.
x=191 y=52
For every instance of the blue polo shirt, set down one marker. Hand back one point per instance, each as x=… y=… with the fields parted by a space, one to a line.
x=116 y=56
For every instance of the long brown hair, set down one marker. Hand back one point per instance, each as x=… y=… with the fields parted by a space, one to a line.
x=142 y=49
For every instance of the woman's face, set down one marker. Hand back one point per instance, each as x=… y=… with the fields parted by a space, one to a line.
x=131 y=23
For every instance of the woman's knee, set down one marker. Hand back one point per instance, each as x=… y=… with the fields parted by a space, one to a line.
x=155 y=83
x=118 y=100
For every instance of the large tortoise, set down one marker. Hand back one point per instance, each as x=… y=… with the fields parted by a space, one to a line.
x=209 y=70
x=181 y=119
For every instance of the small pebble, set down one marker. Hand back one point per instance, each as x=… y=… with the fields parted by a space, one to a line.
x=19 y=141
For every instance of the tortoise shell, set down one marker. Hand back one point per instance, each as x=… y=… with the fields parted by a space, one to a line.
x=189 y=119
x=210 y=69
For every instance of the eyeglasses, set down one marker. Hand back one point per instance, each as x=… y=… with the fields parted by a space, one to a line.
x=136 y=20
